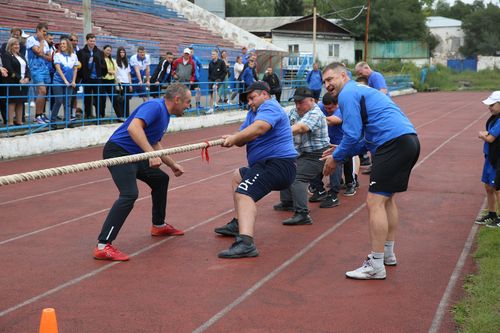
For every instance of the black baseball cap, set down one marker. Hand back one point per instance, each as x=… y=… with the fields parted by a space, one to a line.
x=258 y=85
x=301 y=93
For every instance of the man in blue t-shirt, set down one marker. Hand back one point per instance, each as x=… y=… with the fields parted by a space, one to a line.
x=315 y=81
x=375 y=79
x=142 y=132
x=267 y=134
x=392 y=140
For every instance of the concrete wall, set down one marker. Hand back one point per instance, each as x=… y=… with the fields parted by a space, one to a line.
x=487 y=62
x=218 y=26
x=305 y=45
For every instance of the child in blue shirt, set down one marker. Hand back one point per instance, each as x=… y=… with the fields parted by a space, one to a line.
x=491 y=170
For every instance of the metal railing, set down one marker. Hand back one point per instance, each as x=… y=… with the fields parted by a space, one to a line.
x=97 y=104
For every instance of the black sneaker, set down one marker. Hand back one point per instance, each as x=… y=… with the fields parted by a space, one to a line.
x=350 y=190
x=284 y=206
x=298 y=219
x=239 y=250
x=330 y=201
x=230 y=229
x=318 y=196
x=485 y=219
x=494 y=224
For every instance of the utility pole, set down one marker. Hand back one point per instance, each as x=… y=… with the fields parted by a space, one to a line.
x=365 y=55
x=87 y=17
x=314 y=31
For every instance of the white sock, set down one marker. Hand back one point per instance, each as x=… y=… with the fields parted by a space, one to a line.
x=378 y=259
x=101 y=246
x=389 y=248
x=160 y=225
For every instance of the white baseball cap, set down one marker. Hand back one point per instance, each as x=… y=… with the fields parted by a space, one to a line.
x=187 y=50
x=493 y=98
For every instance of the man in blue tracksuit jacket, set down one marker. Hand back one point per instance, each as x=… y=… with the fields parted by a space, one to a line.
x=392 y=140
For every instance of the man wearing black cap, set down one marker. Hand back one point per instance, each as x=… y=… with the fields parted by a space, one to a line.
x=267 y=135
x=310 y=132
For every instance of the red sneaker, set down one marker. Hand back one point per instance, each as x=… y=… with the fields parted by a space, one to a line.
x=166 y=230
x=109 y=253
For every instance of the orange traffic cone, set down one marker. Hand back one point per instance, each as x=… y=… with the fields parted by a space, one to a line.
x=48 y=322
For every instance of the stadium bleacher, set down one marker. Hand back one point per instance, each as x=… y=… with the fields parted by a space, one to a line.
x=133 y=21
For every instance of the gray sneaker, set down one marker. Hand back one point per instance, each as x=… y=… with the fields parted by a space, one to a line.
x=230 y=229
x=239 y=250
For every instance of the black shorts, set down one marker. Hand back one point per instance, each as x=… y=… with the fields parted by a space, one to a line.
x=392 y=164
x=211 y=86
x=274 y=174
x=193 y=86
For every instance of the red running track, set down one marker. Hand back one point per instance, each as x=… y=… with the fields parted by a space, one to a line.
x=49 y=228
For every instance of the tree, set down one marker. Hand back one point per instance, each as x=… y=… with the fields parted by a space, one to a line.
x=458 y=11
x=288 y=8
x=239 y=8
x=390 y=20
x=482 y=32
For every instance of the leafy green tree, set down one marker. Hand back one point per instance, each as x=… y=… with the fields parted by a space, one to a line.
x=458 y=11
x=390 y=20
x=239 y=8
x=482 y=32
x=288 y=8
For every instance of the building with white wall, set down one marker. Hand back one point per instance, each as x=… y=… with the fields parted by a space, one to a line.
x=450 y=36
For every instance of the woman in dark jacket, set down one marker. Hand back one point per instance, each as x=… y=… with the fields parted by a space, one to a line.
x=19 y=73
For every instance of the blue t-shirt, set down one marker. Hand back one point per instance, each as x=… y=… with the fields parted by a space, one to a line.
x=67 y=64
x=377 y=81
x=334 y=132
x=493 y=129
x=278 y=141
x=197 y=68
x=37 y=63
x=247 y=76
x=315 y=80
x=155 y=114
x=385 y=120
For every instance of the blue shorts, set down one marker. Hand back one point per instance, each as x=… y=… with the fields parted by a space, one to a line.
x=274 y=174
x=489 y=174
x=40 y=77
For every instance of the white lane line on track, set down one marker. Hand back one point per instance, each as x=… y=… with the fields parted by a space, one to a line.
x=104 y=268
x=443 y=304
x=275 y=272
x=271 y=275
x=31 y=233
x=250 y=291
x=94 y=182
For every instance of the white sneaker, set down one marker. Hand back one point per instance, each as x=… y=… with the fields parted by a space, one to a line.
x=390 y=260
x=367 y=271
x=209 y=111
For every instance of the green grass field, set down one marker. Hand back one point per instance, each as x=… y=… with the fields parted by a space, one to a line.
x=479 y=311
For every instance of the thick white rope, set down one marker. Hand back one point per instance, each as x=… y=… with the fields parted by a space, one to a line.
x=46 y=173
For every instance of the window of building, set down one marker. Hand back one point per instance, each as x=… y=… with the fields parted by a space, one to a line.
x=293 y=48
x=334 y=50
